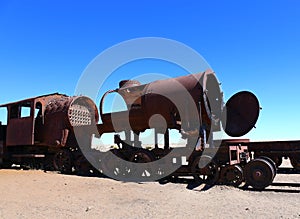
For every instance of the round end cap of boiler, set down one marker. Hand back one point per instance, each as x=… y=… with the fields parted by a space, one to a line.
x=241 y=114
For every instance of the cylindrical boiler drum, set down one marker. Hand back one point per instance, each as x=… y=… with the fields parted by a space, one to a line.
x=73 y=111
x=63 y=115
x=82 y=112
x=183 y=103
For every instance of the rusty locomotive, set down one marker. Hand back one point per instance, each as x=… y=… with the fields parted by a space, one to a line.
x=40 y=131
x=54 y=132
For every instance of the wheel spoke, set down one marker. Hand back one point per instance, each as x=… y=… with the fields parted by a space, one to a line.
x=232 y=175
x=205 y=170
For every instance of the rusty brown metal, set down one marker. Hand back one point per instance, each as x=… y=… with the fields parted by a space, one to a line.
x=274 y=150
x=167 y=98
x=52 y=120
x=242 y=111
x=49 y=120
x=237 y=153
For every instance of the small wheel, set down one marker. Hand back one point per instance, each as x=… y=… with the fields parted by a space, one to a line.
x=295 y=161
x=259 y=173
x=232 y=175
x=63 y=162
x=205 y=170
x=270 y=160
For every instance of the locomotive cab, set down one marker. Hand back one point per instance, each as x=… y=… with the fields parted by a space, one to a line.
x=24 y=118
x=42 y=129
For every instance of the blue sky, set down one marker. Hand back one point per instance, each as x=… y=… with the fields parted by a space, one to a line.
x=252 y=45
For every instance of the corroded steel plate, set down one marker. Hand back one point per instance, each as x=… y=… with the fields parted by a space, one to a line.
x=241 y=114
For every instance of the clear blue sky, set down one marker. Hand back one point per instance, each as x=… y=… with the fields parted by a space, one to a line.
x=252 y=45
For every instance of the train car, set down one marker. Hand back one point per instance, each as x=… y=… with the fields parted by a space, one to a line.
x=40 y=131
x=274 y=150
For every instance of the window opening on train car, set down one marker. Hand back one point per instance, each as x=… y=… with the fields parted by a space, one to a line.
x=14 y=112
x=3 y=115
x=25 y=110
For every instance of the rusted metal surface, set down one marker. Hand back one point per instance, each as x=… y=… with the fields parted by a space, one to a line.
x=259 y=173
x=275 y=150
x=49 y=121
x=238 y=154
x=274 y=146
x=64 y=114
x=242 y=111
x=20 y=128
x=40 y=131
x=167 y=98
x=232 y=175
x=170 y=100
x=47 y=132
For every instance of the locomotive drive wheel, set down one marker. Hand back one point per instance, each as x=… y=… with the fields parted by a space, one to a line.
x=142 y=156
x=232 y=175
x=62 y=161
x=112 y=167
x=259 y=173
x=48 y=162
x=205 y=170
x=82 y=166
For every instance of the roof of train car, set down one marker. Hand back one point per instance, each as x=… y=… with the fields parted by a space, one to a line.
x=33 y=98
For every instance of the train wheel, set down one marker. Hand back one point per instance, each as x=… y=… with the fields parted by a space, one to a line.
x=117 y=170
x=6 y=164
x=112 y=167
x=205 y=170
x=62 y=161
x=142 y=156
x=295 y=161
x=271 y=162
x=232 y=175
x=259 y=173
x=82 y=166
x=48 y=163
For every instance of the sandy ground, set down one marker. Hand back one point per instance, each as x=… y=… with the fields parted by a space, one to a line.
x=36 y=194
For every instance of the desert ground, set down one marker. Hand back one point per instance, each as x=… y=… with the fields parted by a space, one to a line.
x=39 y=194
